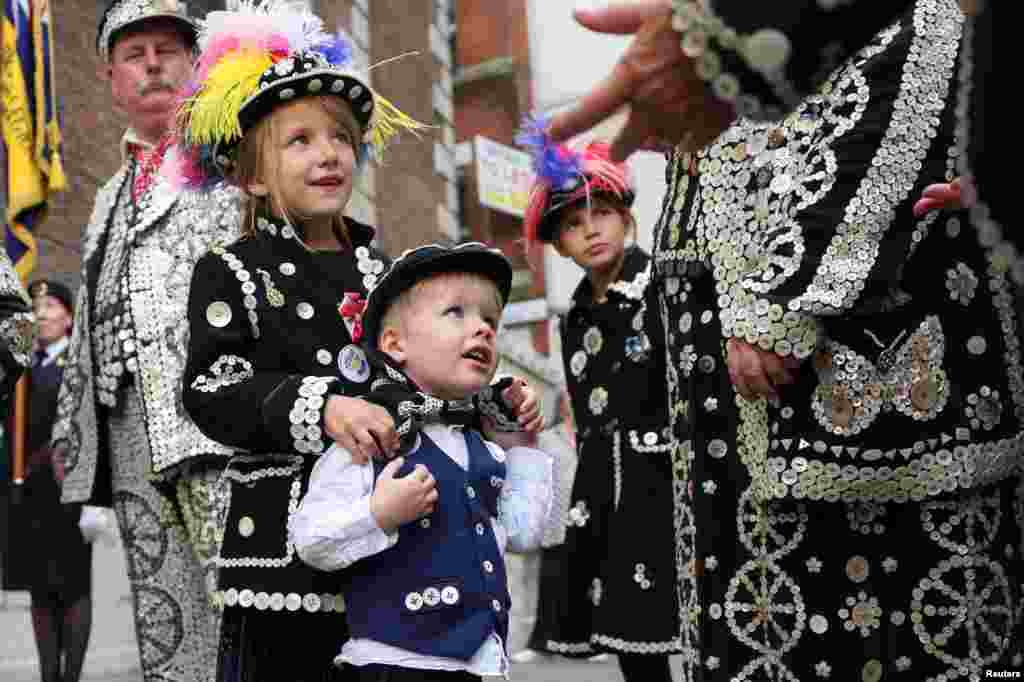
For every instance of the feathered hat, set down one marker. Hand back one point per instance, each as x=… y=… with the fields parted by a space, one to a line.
x=257 y=57
x=566 y=174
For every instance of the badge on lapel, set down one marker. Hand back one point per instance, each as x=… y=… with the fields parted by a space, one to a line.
x=353 y=365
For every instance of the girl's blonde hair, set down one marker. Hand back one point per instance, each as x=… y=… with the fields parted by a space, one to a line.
x=255 y=160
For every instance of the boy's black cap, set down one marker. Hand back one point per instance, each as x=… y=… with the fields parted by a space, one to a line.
x=416 y=265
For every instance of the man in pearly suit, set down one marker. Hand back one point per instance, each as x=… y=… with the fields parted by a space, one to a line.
x=120 y=426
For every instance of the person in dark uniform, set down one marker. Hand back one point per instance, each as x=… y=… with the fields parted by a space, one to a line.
x=273 y=364
x=59 y=557
x=612 y=350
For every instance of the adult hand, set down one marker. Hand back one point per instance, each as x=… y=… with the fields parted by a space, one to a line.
x=58 y=456
x=669 y=103
x=949 y=196
x=756 y=372
x=397 y=501
x=364 y=429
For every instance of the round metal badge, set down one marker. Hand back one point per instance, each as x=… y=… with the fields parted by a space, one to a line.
x=353 y=365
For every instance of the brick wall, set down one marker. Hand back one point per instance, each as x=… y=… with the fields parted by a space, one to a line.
x=416 y=198
x=91 y=132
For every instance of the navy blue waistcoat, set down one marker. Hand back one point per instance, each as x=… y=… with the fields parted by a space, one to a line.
x=442 y=589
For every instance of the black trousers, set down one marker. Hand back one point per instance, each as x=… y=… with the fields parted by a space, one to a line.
x=390 y=673
x=269 y=646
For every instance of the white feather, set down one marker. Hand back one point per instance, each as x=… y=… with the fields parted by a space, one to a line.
x=258 y=19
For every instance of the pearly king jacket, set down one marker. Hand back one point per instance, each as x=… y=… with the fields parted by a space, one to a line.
x=167 y=232
x=17 y=329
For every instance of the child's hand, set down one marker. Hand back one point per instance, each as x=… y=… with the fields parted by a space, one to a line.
x=507 y=439
x=364 y=429
x=756 y=372
x=397 y=501
x=525 y=403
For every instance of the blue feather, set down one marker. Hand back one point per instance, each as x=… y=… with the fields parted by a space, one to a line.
x=554 y=163
x=337 y=51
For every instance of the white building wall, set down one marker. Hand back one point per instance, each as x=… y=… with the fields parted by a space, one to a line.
x=567 y=60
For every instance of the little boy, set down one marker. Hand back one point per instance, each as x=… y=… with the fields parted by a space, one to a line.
x=423 y=538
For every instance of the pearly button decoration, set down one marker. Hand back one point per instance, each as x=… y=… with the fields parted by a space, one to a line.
x=292 y=601
x=323 y=356
x=717 y=448
x=976 y=345
x=414 y=601
x=304 y=310
x=218 y=314
x=450 y=595
x=311 y=602
x=287 y=269
x=767 y=50
x=819 y=624
x=246 y=526
x=431 y=596
x=488 y=566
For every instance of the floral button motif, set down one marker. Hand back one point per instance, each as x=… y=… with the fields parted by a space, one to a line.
x=579 y=514
x=598 y=400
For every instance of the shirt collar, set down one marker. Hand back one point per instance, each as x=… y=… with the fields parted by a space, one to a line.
x=277 y=229
x=131 y=140
x=56 y=348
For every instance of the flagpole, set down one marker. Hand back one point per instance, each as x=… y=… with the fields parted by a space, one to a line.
x=18 y=437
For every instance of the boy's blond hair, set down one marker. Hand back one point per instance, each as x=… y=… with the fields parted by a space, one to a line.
x=397 y=312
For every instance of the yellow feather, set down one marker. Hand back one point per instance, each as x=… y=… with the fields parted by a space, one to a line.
x=388 y=121
x=211 y=115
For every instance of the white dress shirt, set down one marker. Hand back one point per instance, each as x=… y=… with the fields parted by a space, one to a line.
x=53 y=350
x=333 y=528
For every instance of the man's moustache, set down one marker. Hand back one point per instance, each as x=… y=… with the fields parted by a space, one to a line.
x=149 y=87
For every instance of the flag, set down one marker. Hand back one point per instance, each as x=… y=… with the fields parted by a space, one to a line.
x=31 y=129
